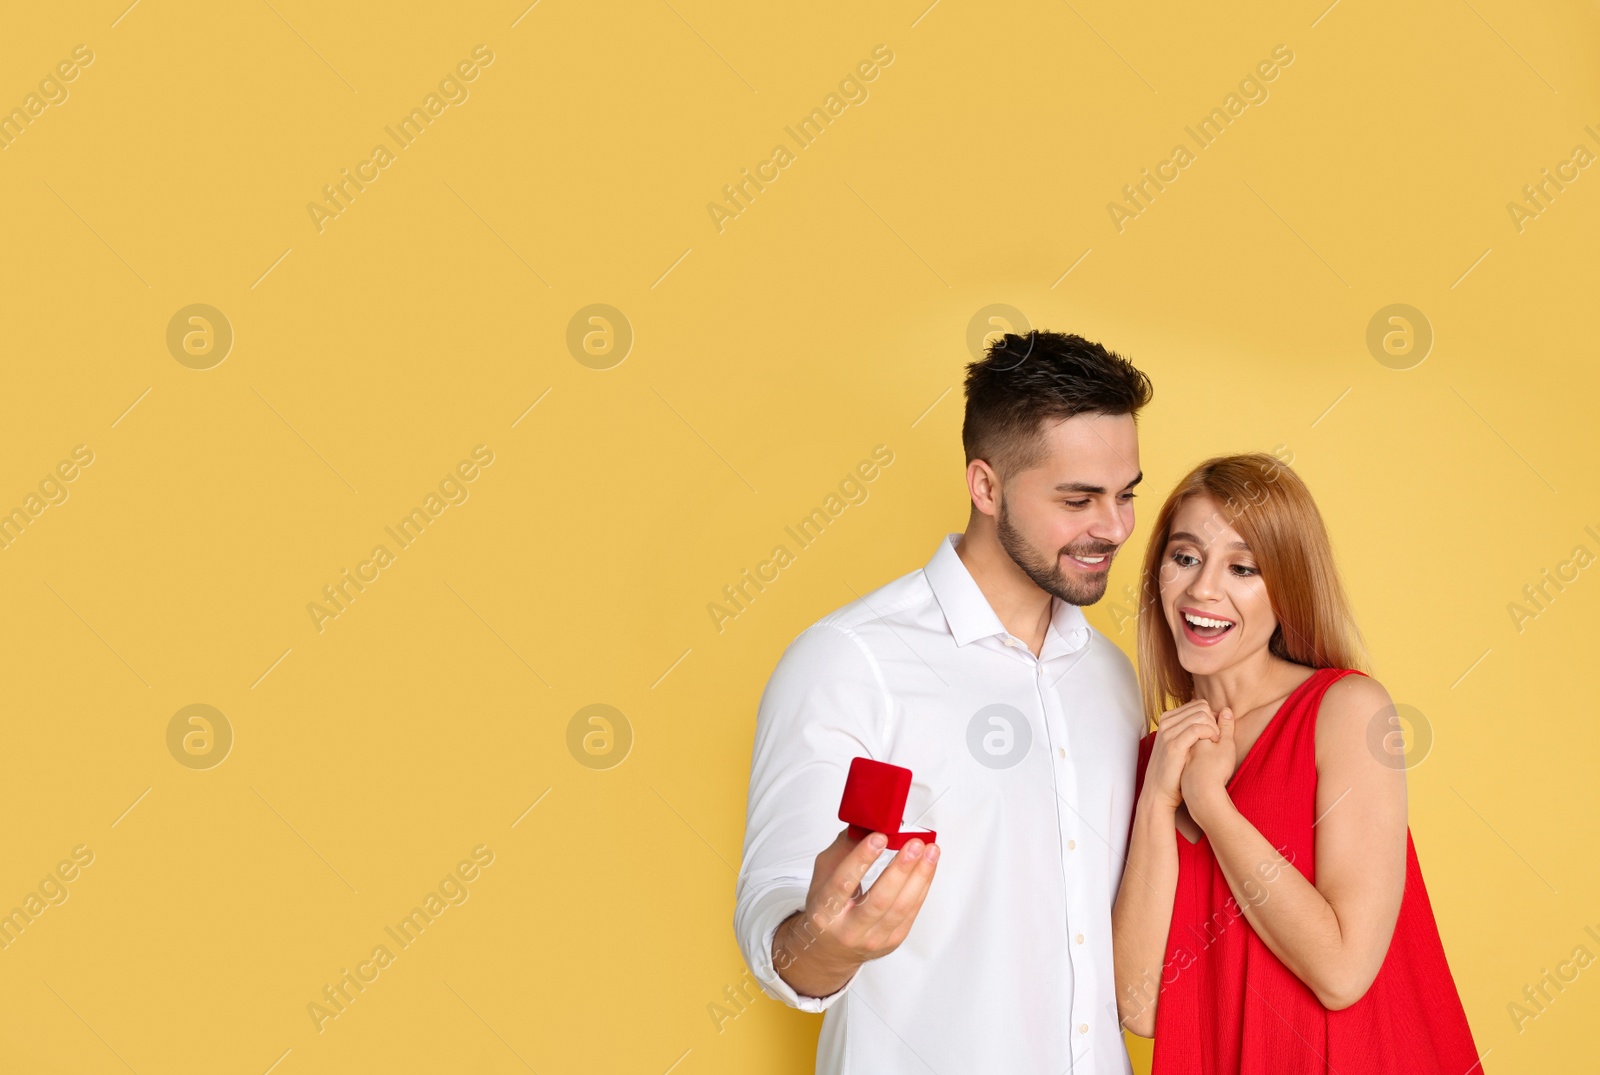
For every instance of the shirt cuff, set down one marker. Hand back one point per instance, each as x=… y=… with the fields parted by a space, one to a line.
x=768 y=913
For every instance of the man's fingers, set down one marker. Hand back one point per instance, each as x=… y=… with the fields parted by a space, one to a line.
x=846 y=879
x=887 y=888
x=909 y=900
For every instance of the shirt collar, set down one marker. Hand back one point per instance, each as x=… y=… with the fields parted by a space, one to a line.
x=971 y=617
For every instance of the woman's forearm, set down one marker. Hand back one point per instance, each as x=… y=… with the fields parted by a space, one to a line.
x=1142 y=914
x=1287 y=912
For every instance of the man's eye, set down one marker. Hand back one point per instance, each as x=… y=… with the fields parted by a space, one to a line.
x=1076 y=503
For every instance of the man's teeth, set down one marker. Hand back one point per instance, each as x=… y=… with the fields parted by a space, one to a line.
x=1088 y=559
x=1206 y=621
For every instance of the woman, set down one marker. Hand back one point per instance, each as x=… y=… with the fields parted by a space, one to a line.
x=1272 y=917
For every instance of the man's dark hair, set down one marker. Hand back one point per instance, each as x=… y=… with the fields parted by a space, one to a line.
x=1023 y=382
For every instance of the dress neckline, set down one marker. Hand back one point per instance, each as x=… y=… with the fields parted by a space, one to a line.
x=1255 y=748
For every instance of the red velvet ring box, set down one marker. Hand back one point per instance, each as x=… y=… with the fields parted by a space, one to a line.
x=875 y=801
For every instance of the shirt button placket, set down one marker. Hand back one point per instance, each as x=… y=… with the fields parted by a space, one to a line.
x=1067 y=788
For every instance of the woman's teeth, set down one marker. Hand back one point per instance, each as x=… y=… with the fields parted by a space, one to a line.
x=1206 y=627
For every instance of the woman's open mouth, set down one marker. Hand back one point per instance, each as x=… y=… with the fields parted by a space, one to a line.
x=1204 y=630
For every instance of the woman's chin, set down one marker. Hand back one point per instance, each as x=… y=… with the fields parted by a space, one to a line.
x=1210 y=661
x=1206 y=661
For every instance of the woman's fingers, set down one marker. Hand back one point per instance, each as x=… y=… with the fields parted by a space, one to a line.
x=1196 y=718
x=1191 y=735
x=1178 y=748
x=1173 y=716
x=1177 y=731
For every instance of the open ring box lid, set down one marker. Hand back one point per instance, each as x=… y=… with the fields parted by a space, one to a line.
x=875 y=801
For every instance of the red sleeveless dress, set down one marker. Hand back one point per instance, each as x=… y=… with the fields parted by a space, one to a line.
x=1228 y=1005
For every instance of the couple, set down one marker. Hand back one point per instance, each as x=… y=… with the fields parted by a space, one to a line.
x=1189 y=854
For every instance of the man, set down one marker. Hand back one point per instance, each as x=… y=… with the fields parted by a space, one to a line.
x=1020 y=724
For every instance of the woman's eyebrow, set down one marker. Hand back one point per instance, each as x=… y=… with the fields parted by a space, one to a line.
x=1184 y=535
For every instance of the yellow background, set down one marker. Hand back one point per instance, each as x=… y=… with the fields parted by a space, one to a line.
x=432 y=715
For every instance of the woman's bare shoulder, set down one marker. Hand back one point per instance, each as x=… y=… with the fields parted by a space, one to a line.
x=1354 y=708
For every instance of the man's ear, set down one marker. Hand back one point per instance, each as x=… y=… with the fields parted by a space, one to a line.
x=983 y=485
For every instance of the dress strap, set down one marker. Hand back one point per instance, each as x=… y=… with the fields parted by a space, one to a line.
x=1288 y=743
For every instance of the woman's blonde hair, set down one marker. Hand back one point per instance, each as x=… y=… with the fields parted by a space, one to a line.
x=1272 y=510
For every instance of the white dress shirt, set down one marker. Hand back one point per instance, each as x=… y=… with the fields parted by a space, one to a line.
x=1023 y=765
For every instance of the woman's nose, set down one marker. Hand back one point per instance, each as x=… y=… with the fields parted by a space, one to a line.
x=1206 y=585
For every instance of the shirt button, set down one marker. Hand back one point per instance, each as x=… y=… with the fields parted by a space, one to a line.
x=1079 y=938
x=1083 y=1028
x=1072 y=845
x=1061 y=751
x=1011 y=642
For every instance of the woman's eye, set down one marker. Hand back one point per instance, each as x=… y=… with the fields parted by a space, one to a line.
x=1180 y=557
x=1244 y=570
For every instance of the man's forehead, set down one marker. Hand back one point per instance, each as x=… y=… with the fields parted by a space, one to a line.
x=1091 y=453
x=1092 y=424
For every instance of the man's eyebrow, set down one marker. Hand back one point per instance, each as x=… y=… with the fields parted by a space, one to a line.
x=1184 y=535
x=1085 y=487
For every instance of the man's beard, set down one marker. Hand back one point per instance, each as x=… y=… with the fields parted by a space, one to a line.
x=1047 y=574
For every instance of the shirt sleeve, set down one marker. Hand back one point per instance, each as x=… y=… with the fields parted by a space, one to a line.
x=1145 y=746
x=825 y=704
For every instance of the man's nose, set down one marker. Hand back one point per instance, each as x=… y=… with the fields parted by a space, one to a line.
x=1111 y=525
